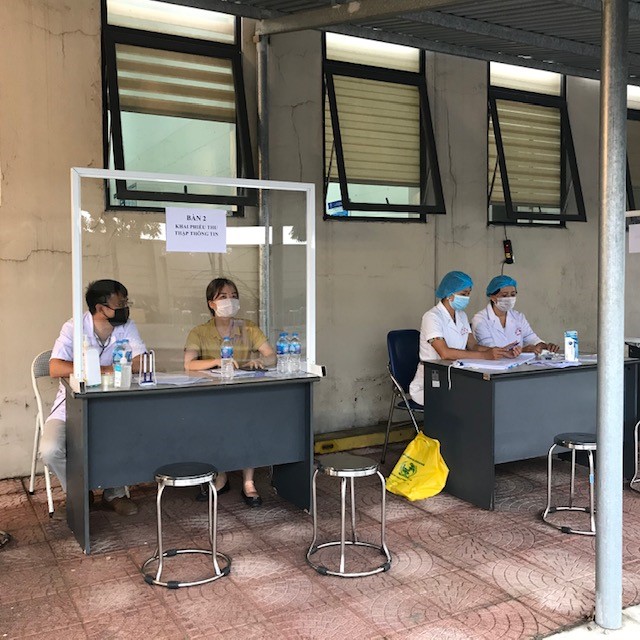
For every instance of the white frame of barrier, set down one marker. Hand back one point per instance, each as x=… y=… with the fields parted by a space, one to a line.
x=78 y=173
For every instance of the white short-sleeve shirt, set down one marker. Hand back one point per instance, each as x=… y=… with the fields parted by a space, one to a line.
x=63 y=350
x=489 y=332
x=438 y=323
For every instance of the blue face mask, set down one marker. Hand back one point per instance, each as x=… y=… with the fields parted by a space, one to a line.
x=459 y=302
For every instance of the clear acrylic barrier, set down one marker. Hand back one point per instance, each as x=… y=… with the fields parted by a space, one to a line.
x=271 y=262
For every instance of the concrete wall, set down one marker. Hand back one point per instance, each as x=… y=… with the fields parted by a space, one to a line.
x=51 y=120
x=372 y=277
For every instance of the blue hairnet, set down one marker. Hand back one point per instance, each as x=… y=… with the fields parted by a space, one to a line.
x=452 y=282
x=498 y=282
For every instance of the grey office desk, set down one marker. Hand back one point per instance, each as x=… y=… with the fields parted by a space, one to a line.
x=120 y=437
x=488 y=418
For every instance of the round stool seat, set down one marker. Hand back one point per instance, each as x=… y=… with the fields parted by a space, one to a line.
x=346 y=465
x=578 y=441
x=185 y=474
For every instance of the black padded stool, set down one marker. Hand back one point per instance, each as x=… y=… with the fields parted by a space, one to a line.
x=348 y=467
x=187 y=474
x=635 y=482
x=574 y=442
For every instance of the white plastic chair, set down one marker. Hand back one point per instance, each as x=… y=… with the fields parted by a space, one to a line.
x=40 y=369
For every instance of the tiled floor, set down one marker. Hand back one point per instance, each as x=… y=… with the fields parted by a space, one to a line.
x=458 y=572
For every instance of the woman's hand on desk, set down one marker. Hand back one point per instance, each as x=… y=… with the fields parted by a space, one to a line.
x=498 y=353
x=201 y=365
x=254 y=364
x=542 y=346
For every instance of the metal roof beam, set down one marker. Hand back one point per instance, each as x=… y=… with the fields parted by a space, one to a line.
x=509 y=34
x=596 y=6
x=344 y=13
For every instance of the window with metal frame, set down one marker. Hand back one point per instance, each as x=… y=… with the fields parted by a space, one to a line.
x=174 y=104
x=633 y=150
x=380 y=157
x=532 y=170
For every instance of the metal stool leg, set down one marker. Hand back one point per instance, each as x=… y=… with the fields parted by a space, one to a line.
x=572 y=484
x=549 y=475
x=592 y=510
x=383 y=521
x=314 y=512
x=213 y=526
x=343 y=496
x=354 y=536
x=159 y=548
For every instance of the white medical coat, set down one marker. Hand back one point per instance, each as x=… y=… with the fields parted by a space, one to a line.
x=437 y=323
x=489 y=332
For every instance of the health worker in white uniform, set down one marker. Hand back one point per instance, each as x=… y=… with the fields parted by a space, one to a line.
x=498 y=325
x=445 y=333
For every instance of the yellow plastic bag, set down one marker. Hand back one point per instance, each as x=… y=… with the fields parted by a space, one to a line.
x=421 y=471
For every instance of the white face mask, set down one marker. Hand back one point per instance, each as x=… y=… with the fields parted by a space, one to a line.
x=506 y=304
x=227 y=307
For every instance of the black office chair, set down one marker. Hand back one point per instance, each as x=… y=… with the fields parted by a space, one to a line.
x=403 y=346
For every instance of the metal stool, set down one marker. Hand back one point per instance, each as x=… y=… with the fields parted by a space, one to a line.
x=636 y=476
x=347 y=466
x=187 y=474
x=574 y=442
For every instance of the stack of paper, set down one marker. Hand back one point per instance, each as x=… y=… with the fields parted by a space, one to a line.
x=177 y=379
x=503 y=364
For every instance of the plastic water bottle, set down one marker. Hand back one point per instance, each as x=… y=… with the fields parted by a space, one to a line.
x=295 y=350
x=282 y=354
x=226 y=359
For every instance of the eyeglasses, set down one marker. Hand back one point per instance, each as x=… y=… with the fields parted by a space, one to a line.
x=125 y=305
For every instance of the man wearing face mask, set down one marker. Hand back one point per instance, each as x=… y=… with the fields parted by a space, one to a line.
x=106 y=322
x=202 y=351
x=498 y=324
x=445 y=333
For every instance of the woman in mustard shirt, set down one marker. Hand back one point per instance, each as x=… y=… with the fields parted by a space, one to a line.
x=202 y=351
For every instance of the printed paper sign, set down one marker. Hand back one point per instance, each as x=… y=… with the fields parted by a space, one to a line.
x=196 y=230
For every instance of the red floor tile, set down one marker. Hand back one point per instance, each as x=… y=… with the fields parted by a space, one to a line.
x=153 y=621
x=104 y=598
x=457 y=572
x=324 y=623
x=49 y=616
